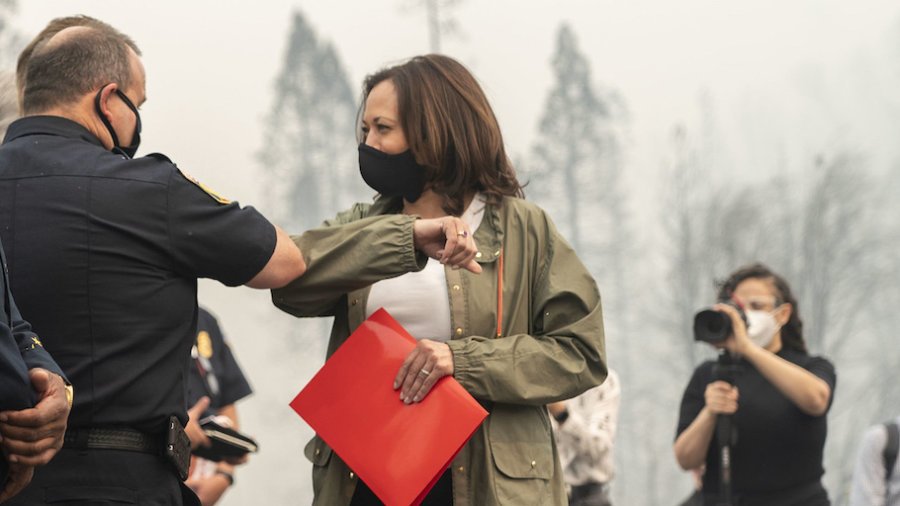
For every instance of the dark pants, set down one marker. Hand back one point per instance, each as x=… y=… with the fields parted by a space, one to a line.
x=105 y=477
x=441 y=494
x=589 y=494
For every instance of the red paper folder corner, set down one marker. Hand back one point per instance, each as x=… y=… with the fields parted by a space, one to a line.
x=398 y=450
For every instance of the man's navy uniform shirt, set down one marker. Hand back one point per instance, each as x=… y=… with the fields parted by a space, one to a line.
x=104 y=254
x=215 y=372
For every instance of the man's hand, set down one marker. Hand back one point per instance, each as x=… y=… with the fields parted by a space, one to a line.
x=31 y=437
x=193 y=430
x=209 y=489
x=19 y=477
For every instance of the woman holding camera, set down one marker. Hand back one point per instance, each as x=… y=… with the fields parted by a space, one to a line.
x=777 y=402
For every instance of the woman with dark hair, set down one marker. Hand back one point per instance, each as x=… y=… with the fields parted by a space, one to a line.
x=482 y=279
x=779 y=400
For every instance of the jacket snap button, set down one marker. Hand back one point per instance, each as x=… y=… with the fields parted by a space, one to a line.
x=352 y=475
x=459 y=331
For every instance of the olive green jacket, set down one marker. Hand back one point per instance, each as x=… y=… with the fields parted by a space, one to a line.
x=551 y=345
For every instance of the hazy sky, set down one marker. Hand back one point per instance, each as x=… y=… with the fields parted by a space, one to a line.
x=786 y=79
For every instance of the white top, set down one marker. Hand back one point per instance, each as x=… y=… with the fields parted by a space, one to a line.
x=419 y=300
x=586 y=438
x=869 y=487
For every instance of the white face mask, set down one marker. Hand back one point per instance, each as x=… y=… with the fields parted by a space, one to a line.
x=761 y=327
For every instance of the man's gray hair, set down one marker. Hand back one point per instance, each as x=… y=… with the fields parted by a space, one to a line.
x=73 y=62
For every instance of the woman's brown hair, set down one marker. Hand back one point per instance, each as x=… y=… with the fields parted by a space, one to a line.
x=792 y=332
x=451 y=129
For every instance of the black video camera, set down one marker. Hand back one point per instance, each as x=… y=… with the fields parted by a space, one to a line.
x=711 y=326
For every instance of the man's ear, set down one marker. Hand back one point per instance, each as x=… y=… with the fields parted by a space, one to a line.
x=105 y=93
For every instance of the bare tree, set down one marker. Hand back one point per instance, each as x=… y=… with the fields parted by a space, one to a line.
x=439 y=19
x=11 y=41
x=309 y=153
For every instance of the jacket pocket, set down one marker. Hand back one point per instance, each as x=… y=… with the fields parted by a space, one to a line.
x=93 y=495
x=524 y=472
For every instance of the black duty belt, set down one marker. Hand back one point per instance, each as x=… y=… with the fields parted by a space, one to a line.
x=119 y=438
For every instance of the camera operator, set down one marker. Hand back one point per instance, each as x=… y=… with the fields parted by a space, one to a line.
x=776 y=403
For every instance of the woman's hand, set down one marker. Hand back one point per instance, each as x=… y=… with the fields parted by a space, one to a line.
x=447 y=239
x=738 y=342
x=424 y=366
x=721 y=398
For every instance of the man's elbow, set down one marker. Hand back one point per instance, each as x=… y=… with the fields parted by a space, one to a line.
x=279 y=275
x=296 y=269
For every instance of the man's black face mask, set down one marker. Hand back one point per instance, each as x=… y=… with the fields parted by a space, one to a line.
x=128 y=151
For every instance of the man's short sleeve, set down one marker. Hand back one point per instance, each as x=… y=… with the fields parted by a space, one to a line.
x=213 y=238
x=694 y=397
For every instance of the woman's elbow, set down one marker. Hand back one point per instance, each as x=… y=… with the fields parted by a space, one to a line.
x=818 y=402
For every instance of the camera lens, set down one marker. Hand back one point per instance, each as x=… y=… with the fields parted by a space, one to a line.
x=711 y=326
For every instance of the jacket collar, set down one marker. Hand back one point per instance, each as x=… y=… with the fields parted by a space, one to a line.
x=488 y=237
x=49 y=125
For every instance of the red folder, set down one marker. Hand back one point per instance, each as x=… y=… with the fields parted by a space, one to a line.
x=398 y=450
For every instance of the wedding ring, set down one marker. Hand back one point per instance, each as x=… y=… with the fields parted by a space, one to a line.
x=464 y=233
x=425 y=372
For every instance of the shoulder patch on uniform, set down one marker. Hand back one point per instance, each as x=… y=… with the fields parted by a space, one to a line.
x=218 y=198
x=204 y=344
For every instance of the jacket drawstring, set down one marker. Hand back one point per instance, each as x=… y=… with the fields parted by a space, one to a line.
x=500 y=293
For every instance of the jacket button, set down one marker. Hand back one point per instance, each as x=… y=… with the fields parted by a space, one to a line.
x=352 y=475
x=354 y=302
x=497 y=253
x=456 y=288
x=533 y=463
x=318 y=452
x=459 y=331
x=460 y=468
x=478 y=255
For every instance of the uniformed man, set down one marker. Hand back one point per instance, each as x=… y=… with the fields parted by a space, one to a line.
x=105 y=251
x=216 y=376
x=32 y=434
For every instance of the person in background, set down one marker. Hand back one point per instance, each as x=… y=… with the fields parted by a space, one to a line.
x=122 y=241
x=876 y=475
x=481 y=278
x=780 y=398
x=585 y=432
x=215 y=384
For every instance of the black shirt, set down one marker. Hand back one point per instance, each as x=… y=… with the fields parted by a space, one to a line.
x=214 y=371
x=104 y=254
x=779 y=448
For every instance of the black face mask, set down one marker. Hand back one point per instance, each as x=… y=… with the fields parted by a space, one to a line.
x=128 y=151
x=392 y=175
